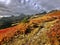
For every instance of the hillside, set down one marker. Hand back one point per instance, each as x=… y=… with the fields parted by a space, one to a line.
x=38 y=30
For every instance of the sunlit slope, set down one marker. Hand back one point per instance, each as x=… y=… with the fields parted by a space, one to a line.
x=36 y=31
x=6 y=34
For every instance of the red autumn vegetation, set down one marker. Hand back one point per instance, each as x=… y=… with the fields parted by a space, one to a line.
x=6 y=34
x=46 y=17
x=54 y=32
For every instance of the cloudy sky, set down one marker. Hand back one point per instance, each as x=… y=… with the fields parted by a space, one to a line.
x=9 y=7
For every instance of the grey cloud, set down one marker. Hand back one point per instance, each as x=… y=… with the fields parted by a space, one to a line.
x=29 y=6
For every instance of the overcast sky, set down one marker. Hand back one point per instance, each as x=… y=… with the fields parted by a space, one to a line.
x=9 y=7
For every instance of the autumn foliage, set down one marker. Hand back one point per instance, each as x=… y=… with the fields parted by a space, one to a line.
x=46 y=17
x=53 y=34
x=6 y=34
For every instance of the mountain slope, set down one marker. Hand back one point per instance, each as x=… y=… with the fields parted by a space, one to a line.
x=35 y=32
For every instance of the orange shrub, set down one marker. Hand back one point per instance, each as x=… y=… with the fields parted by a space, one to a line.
x=54 y=34
x=6 y=34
